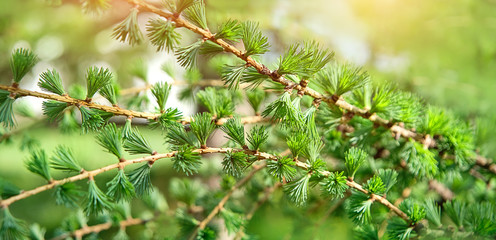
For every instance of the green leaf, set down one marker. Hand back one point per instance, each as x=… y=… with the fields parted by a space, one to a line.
x=7 y=189
x=128 y=30
x=398 y=229
x=232 y=75
x=297 y=142
x=186 y=161
x=126 y=130
x=283 y=169
x=359 y=208
x=162 y=34
x=388 y=177
x=187 y=224
x=252 y=77
x=420 y=161
x=11 y=227
x=54 y=110
x=63 y=159
x=202 y=126
x=21 y=62
x=96 y=78
x=170 y=117
x=177 y=136
x=233 y=221
x=235 y=131
x=36 y=232
x=257 y=137
x=110 y=138
x=95 y=6
x=161 y=92
x=255 y=99
x=109 y=93
x=254 y=41
x=481 y=218
x=433 y=212
x=375 y=185
x=339 y=79
x=179 y=5
x=68 y=194
x=334 y=185
x=366 y=232
x=140 y=178
x=187 y=56
x=298 y=190
x=135 y=143
x=139 y=69
x=50 y=81
x=38 y=164
x=97 y=202
x=235 y=163
x=229 y=30
x=456 y=211
x=219 y=102
x=415 y=211
x=120 y=188
x=121 y=235
x=196 y=14
x=285 y=110
x=7 y=117
x=354 y=157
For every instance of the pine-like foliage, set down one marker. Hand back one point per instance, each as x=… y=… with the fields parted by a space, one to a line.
x=339 y=79
x=63 y=159
x=135 y=143
x=96 y=78
x=95 y=6
x=96 y=202
x=235 y=131
x=68 y=195
x=38 y=164
x=109 y=93
x=335 y=185
x=162 y=34
x=7 y=111
x=219 y=102
x=21 y=62
x=254 y=41
x=50 y=81
x=196 y=14
x=235 y=163
x=285 y=110
x=91 y=120
x=283 y=169
x=128 y=30
x=258 y=135
x=298 y=190
x=187 y=56
x=161 y=93
x=111 y=139
x=186 y=161
x=120 y=188
x=140 y=178
x=12 y=228
x=202 y=126
x=354 y=158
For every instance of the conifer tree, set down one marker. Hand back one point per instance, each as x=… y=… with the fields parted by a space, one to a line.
x=319 y=133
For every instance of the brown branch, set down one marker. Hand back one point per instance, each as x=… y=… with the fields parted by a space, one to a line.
x=153 y=158
x=442 y=190
x=262 y=69
x=85 y=230
x=485 y=163
x=78 y=102
x=223 y=201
